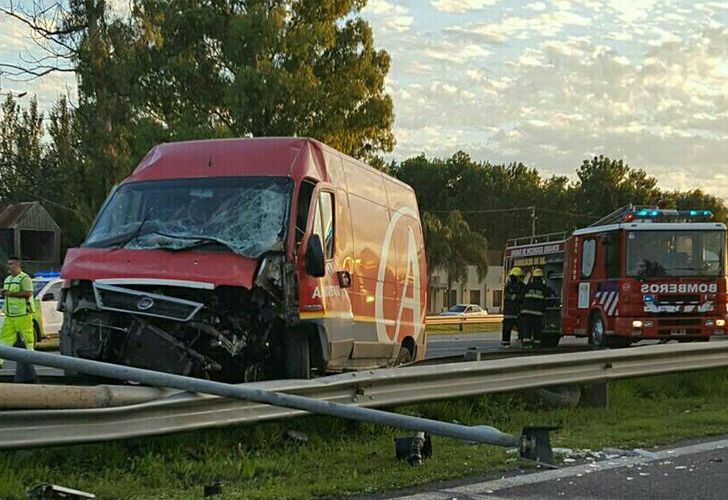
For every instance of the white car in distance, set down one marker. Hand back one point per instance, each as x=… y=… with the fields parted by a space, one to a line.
x=467 y=310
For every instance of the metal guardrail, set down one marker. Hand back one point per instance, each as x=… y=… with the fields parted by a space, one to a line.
x=461 y=321
x=376 y=388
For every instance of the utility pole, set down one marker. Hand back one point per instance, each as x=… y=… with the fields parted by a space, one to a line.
x=533 y=221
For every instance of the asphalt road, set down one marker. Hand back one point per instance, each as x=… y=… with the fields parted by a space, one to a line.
x=696 y=471
x=439 y=346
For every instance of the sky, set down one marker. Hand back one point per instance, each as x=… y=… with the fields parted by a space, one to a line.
x=546 y=83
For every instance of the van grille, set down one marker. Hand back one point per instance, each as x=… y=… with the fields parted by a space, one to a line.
x=113 y=298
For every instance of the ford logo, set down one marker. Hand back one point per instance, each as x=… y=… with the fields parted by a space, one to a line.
x=145 y=303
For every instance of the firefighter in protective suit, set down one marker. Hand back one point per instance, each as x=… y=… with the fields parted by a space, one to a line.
x=17 y=330
x=512 y=299
x=534 y=307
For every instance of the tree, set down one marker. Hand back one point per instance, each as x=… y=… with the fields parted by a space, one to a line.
x=451 y=245
x=280 y=67
x=604 y=185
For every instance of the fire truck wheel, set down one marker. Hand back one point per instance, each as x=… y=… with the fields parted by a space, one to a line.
x=597 y=332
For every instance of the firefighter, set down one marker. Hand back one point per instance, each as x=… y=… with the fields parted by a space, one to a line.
x=533 y=308
x=513 y=296
x=17 y=330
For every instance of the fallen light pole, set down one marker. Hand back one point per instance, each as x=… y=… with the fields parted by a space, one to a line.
x=533 y=443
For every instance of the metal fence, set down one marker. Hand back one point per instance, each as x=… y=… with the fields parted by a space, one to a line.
x=376 y=388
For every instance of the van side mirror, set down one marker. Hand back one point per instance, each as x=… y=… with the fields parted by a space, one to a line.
x=314 y=257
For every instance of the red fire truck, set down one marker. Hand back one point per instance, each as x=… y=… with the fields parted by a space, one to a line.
x=637 y=274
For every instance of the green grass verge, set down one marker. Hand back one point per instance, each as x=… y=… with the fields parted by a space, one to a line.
x=342 y=457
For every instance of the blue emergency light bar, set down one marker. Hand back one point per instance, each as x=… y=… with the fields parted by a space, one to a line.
x=47 y=274
x=667 y=214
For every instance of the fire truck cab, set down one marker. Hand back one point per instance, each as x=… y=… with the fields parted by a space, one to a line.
x=637 y=274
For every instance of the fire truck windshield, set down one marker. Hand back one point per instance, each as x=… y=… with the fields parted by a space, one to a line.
x=653 y=254
x=244 y=215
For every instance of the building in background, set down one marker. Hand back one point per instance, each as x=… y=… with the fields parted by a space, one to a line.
x=487 y=293
x=28 y=231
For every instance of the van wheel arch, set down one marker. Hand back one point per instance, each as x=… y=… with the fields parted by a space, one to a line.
x=407 y=352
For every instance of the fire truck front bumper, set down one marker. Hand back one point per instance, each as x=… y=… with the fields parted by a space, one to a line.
x=669 y=327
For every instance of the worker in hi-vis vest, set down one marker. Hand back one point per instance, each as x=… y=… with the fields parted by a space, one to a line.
x=17 y=330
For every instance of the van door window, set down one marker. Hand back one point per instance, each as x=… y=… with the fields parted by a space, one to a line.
x=305 y=193
x=327 y=222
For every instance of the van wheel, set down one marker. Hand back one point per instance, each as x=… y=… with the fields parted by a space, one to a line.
x=297 y=356
x=404 y=357
x=597 y=332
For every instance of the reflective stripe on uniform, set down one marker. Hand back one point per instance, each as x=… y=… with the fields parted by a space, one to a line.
x=532 y=312
x=17 y=306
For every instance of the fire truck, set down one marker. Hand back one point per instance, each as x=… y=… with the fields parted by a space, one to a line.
x=639 y=273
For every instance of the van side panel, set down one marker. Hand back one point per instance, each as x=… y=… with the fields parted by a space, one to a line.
x=411 y=271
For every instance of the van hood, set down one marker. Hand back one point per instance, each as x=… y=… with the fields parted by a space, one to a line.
x=215 y=268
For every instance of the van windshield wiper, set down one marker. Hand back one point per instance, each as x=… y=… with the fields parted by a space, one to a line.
x=195 y=241
x=121 y=240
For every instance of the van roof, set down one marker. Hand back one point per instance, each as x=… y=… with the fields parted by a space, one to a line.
x=264 y=156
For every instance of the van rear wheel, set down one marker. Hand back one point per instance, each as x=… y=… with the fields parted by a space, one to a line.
x=404 y=357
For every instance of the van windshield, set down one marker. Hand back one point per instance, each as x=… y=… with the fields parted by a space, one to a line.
x=245 y=215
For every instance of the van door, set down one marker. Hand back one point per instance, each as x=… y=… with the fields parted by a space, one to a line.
x=325 y=300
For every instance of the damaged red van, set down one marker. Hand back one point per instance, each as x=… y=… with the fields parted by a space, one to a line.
x=245 y=259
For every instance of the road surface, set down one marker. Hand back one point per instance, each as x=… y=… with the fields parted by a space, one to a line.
x=697 y=471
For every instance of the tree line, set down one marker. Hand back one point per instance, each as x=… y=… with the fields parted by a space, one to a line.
x=486 y=204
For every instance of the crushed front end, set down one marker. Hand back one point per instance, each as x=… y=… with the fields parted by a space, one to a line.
x=219 y=332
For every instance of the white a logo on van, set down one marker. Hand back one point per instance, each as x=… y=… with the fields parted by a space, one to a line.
x=409 y=300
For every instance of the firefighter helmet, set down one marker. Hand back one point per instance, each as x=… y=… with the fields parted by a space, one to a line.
x=538 y=273
x=516 y=271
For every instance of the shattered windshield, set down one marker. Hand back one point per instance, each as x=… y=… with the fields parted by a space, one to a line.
x=653 y=254
x=245 y=215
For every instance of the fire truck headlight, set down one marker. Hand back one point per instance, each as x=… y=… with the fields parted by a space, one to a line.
x=636 y=324
x=720 y=322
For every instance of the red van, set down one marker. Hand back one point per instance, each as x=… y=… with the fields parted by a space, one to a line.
x=244 y=259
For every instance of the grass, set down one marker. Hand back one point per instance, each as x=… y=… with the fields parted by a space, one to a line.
x=455 y=329
x=345 y=458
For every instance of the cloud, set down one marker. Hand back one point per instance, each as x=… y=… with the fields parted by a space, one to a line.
x=388 y=16
x=461 y=6
x=511 y=28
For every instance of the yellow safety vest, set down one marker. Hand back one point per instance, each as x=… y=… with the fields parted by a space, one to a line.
x=17 y=306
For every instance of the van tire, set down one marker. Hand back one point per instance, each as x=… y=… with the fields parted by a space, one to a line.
x=297 y=356
x=403 y=357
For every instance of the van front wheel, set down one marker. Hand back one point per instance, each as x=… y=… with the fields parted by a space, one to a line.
x=297 y=357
